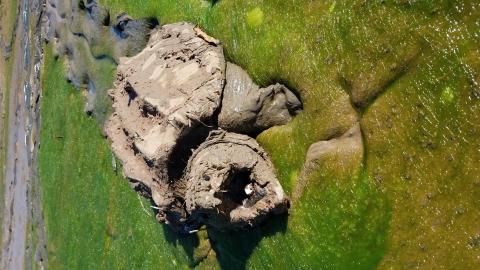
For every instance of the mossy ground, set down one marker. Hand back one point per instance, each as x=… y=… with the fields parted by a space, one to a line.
x=416 y=201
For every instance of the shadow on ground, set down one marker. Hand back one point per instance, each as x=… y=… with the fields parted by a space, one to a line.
x=232 y=248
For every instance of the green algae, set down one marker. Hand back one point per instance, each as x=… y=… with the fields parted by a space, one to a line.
x=254 y=18
x=413 y=68
x=447 y=95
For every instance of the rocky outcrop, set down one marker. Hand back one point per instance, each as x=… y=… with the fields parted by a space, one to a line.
x=165 y=100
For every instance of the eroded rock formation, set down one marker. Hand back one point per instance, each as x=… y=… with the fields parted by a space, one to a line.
x=165 y=100
x=231 y=182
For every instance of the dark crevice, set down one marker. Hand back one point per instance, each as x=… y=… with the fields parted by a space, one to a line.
x=232 y=192
x=184 y=149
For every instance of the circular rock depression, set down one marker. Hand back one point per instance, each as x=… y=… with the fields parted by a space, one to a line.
x=231 y=182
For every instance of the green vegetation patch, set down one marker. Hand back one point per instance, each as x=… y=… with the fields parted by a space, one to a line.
x=9 y=11
x=255 y=18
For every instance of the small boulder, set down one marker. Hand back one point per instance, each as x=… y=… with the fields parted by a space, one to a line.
x=247 y=108
x=122 y=20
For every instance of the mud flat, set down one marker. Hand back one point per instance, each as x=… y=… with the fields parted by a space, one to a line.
x=21 y=198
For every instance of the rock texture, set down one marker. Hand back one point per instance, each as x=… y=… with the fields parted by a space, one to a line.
x=164 y=101
x=231 y=182
x=162 y=93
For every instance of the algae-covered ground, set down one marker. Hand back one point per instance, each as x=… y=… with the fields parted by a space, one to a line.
x=408 y=71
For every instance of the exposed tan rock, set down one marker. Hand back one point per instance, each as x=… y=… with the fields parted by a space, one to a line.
x=231 y=182
x=162 y=93
x=164 y=101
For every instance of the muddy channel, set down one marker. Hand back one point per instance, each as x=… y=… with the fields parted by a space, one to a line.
x=21 y=200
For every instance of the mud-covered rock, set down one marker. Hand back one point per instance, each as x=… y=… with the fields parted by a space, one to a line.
x=122 y=20
x=248 y=108
x=231 y=183
x=129 y=28
x=162 y=93
x=69 y=24
x=164 y=101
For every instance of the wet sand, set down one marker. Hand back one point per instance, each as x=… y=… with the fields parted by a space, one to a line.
x=21 y=198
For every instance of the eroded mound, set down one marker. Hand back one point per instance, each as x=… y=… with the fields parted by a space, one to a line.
x=231 y=182
x=165 y=100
